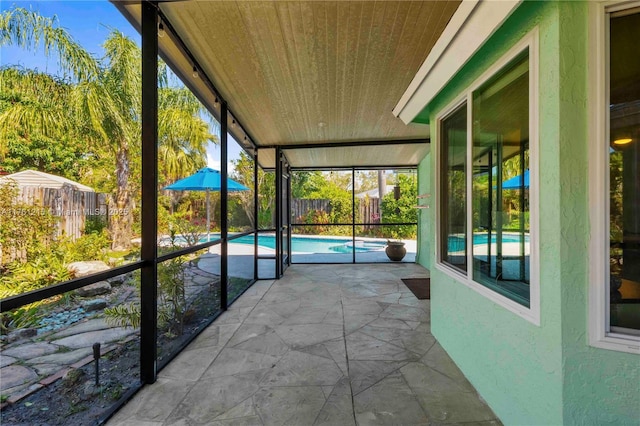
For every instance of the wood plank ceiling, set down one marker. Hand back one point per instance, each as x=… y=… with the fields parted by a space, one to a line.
x=307 y=72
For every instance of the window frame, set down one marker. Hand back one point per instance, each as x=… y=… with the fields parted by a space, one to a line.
x=532 y=314
x=447 y=113
x=600 y=335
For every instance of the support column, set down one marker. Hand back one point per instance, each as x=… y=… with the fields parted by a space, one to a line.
x=149 y=203
x=278 y=179
x=224 y=207
x=256 y=211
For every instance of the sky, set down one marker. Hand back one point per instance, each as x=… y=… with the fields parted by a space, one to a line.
x=89 y=23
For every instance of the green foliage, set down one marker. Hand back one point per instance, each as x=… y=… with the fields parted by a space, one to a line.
x=95 y=224
x=31 y=258
x=59 y=157
x=172 y=302
x=333 y=187
x=316 y=217
x=87 y=247
x=401 y=210
x=266 y=200
x=23 y=317
x=88 y=122
x=303 y=184
x=25 y=230
x=41 y=271
x=124 y=315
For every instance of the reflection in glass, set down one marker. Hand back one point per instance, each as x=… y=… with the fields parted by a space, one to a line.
x=453 y=189
x=501 y=182
x=624 y=175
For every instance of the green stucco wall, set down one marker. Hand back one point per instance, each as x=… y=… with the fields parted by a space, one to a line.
x=600 y=386
x=545 y=374
x=425 y=231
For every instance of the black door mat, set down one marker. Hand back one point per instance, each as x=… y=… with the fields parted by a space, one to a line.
x=421 y=287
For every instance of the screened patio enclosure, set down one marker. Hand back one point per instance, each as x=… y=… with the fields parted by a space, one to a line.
x=299 y=87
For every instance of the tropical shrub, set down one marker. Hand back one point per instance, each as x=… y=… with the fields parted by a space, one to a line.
x=172 y=303
x=25 y=230
x=401 y=210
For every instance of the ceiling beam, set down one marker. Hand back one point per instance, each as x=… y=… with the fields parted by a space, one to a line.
x=311 y=145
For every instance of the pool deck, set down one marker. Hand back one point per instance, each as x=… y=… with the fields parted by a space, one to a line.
x=240 y=263
x=341 y=345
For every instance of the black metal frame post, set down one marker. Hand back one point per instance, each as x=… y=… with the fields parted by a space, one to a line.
x=255 y=214
x=224 y=207
x=499 y=207
x=149 y=203
x=521 y=215
x=278 y=181
x=288 y=214
x=353 y=214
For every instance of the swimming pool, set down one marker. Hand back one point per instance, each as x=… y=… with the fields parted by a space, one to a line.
x=324 y=245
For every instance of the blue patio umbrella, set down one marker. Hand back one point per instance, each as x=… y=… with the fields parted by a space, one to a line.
x=205 y=179
x=516 y=181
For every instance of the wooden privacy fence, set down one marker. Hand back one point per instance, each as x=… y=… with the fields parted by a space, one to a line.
x=367 y=209
x=73 y=207
x=301 y=207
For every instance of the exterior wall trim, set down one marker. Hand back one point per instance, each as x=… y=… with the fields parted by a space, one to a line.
x=599 y=334
x=531 y=314
x=472 y=24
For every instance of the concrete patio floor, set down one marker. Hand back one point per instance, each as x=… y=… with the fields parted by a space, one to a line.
x=324 y=345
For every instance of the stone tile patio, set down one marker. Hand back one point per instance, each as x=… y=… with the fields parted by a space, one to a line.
x=325 y=345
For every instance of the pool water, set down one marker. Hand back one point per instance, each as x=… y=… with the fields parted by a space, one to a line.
x=324 y=245
x=457 y=243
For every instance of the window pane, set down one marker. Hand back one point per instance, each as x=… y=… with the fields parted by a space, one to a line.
x=624 y=169
x=321 y=216
x=188 y=139
x=60 y=354
x=188 y=298
x=241 y=267
x=240 y=187
x=501 y=182
x=453 y=210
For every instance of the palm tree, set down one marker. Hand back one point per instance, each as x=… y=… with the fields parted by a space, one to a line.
x=180 y=151
x=102 y=102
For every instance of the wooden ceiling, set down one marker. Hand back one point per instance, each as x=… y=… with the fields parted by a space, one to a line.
x=306 y=72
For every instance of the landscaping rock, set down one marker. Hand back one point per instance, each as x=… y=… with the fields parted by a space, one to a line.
x=6 y=361
x=46 y=369
x=23 y=333
x=84 y=268
x=31 y=350
x=62 y=358
x=58 y=320
x=119 y=280
x=15 y=375
x=101 y=287
x=89 y=325
x=86 y=340
x=94 y=305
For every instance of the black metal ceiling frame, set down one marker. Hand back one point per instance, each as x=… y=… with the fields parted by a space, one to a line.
x=172 y=33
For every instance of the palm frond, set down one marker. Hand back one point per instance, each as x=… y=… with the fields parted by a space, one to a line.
x=28 y=30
